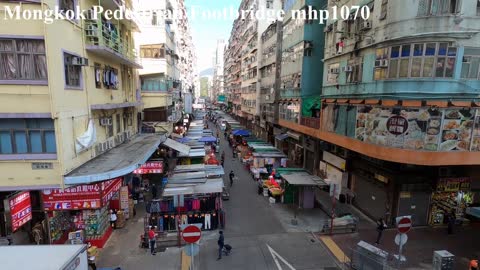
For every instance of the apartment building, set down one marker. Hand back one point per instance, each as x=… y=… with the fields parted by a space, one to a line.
x=241 y=62
x=166 y=52
x=68 y=104
x=270 y=46
x=400 y=107
x=218 y=80
x=300 y=84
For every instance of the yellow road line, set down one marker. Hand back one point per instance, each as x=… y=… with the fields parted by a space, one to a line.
x=186 y=261
x=335 y=249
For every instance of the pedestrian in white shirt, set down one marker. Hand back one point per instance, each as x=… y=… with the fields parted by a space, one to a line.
x=113 y=219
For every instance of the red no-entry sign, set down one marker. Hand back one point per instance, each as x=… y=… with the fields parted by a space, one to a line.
x=404 y=224
x=191 y=234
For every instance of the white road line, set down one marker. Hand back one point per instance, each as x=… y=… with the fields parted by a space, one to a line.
x=404 y=225
x=275 y=255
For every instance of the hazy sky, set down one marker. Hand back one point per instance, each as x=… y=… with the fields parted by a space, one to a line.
x=205 y=31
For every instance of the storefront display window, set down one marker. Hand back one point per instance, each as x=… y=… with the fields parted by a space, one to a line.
x=452 y=195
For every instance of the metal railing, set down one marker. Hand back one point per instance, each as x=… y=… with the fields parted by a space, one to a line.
x=98 y=34
x=310 y=122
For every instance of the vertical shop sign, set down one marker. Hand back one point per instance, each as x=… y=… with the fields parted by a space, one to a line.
x=124 y=197
x=20 y=209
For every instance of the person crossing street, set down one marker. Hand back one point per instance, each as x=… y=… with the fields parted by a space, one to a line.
x=232 y=175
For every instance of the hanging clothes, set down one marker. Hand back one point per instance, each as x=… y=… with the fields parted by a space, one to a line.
x=208 y=223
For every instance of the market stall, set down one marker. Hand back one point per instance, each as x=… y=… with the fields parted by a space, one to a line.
x=83 y=207
x=269 y=160
x=195 y=156
x=299 y=187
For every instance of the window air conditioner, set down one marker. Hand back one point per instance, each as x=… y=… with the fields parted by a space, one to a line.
x=105 y=121
x=366 y=25
x=79 y=61
x=382 y=63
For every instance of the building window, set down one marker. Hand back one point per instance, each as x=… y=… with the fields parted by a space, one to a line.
x=66 y=5
x=27 y=136
x=471 y=64
x=109 y=128
x=73 y=73
x=152 y=51
x=23 y=59
x=354 y=71
x=332 y=73
x=383 y=10
x=417 y=60
x=269 y=3
x=438 y=7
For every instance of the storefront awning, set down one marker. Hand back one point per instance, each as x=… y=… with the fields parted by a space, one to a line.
x=210 y=186
x=194 y=153
x=303 y=179
x=180 y=147
x=294 y=135
x=117 y=162
x=281 y=137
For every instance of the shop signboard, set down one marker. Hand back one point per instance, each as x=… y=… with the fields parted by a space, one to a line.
x=453 y=184
x=426 y=129
x=150 y=167
x=334 y=160
x=81 y=197
x=124 y=197
x=20 y=209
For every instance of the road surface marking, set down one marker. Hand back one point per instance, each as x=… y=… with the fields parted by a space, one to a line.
x=191 y=234
x=276 y=256
x=335 y=249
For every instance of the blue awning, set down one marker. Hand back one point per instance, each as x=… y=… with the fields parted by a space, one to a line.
x=117 y=162
x=281 y=137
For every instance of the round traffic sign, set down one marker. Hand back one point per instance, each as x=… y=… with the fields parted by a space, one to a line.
x=191 y=234
x=404 y=225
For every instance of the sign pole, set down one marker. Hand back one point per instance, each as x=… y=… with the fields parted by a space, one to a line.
x=191 y=248
x=400 y=247
x=333 y=209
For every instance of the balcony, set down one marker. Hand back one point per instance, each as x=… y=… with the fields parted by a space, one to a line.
x=290 y=93
x=107 y=43
x=310 y=122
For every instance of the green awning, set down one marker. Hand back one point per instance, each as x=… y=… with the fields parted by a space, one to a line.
x=309 y=104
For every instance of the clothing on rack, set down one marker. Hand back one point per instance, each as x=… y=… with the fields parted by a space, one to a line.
x=184 y=219
x=154 y=207
x=160 y=223
x=207 y=222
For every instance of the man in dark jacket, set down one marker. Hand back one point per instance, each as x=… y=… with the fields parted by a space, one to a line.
x=380 y=227
x=220 y=243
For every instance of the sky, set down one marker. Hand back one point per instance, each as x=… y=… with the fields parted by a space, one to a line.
x=205 y=32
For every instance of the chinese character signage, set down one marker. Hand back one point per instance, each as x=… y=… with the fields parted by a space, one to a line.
x=397 y=125
x=150 y=167
x=91 y=196
x=419 y=128
x=453 y=184
x=20 y=209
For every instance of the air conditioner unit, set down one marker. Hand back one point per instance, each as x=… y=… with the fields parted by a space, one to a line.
x=105 y=121
x=334 y=71
x=382 y=63
x=111 y=143
x=347 y=69
x=79 y=61
x=366 y=25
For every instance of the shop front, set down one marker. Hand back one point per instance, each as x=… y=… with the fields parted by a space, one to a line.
x=22 y=219
x=311 y=159
x=82 y=208
x=451 y=196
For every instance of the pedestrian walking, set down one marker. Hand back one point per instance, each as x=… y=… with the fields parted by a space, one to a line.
x=221 y=243
x=380 y=227
x=151 y=240
x=232 y=175
x=154 y=191
x=451 y=222
x=225 y=135
x=223 y=155
x=113 y=219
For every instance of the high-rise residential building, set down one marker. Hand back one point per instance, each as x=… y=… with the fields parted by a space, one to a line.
x=400 y=117
x=69 y=103
x=241 y=62
x=303 y=42
x=218 y=80
x=167 y=56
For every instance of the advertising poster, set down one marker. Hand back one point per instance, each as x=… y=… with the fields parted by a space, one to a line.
x=20 y=209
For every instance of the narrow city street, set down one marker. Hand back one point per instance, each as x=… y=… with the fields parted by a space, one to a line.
x=253 y=229
x=256 y=234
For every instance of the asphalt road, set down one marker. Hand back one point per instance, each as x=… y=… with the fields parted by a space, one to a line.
x=258 y=239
